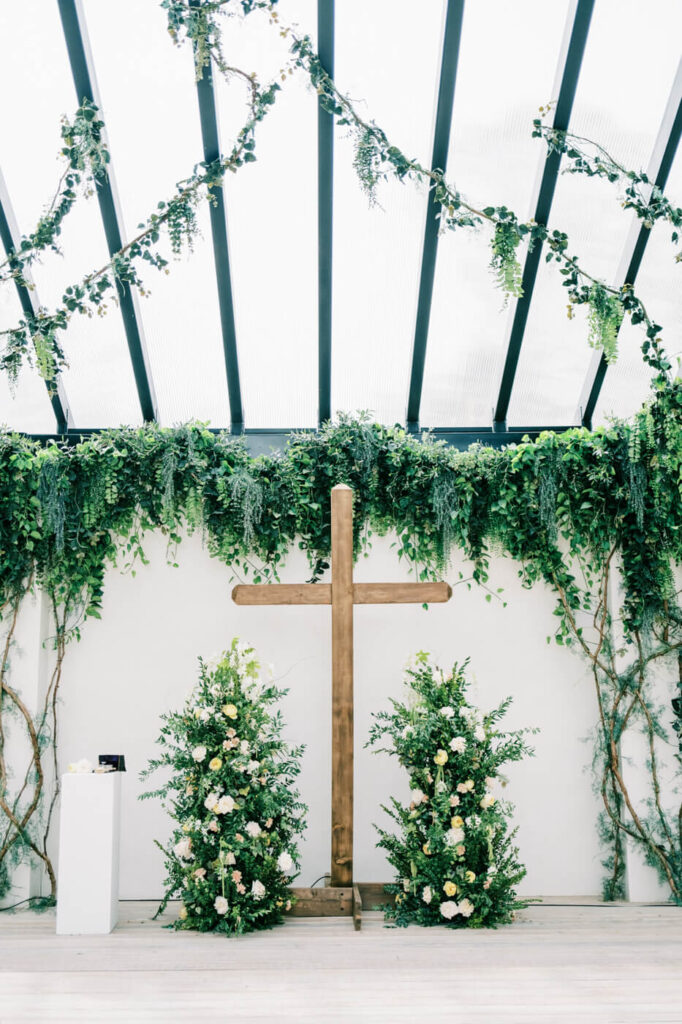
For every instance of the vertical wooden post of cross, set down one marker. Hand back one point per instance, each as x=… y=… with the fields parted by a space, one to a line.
x=342 y=685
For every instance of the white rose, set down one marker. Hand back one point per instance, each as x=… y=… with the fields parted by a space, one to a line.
x=487 y=801
x=417 y=795
x=252 y=767
x=258 y=890
x=244 y=747
x=284 y=862
x=204 y=715
x=454 y=801
x=225 y=805
x=458 y=744
x=253 y=828
x=183 y=849
x=220 y=905
x=199 y=753
x=479 y=733
x=466 y=908
x=230 y=859
x=211 y=802
x=447 y=712
x=453 y=836
x=449 y=909
x=427 y=895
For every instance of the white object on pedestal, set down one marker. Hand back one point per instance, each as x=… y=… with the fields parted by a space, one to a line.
x=89 y=840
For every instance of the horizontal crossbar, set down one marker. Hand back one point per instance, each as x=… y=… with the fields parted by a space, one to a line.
x=321 y=593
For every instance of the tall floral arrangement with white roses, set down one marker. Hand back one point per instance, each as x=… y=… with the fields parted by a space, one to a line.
x=233 y=852
x=454 y=853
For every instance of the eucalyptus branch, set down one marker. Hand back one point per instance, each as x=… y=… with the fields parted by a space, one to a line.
x=86 y=157
x=176 y=216
x=587 y=157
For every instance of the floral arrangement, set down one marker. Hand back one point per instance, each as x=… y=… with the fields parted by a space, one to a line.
x=233 y=852
x=454 y=855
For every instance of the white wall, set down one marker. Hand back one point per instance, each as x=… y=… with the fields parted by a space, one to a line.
x=140 y=660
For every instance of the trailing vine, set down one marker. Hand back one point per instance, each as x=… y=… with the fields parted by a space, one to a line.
x=175 y=217
x=198 y=22
x=584 y=156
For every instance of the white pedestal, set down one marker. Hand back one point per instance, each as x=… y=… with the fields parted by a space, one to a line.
x=89 y=839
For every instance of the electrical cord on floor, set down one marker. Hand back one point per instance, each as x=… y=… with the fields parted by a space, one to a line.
x=325 y=875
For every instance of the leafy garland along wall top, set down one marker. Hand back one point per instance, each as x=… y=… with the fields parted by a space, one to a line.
x=564 y=506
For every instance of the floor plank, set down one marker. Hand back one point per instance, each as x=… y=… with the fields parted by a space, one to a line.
x=596 y=964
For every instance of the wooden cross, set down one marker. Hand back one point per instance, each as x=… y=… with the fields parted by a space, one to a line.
x=342 y=594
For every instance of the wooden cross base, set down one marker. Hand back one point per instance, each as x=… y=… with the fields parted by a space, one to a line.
x=339 y=901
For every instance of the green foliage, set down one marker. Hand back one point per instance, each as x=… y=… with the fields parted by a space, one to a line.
x=571 y=509
x=199 y=23
x=586 y=157
x=454 y=856
x=232 y=795
x=604 y=317
x=504 y=262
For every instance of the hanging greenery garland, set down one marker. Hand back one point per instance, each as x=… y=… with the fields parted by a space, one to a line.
x=198 y=22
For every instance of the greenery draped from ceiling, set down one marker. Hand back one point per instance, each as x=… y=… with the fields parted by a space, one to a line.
x=578 y=511
x=172 y=227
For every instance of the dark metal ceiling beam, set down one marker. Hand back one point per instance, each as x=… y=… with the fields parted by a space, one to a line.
x=210 y=136
x=661 y=161
x=441 y=141
x=28 y=297
x=325 y=215
x=568 y=72
x=82 y=70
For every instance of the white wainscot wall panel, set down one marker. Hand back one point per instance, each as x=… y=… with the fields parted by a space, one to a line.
x=140 y=660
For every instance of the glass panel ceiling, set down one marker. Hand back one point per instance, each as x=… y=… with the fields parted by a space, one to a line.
x=621 y=97
x=391 y=61
x=626 y=384
x=272 y=220
x=388 y=56
x=151 y=111
x=492 y=160
x=99 y=382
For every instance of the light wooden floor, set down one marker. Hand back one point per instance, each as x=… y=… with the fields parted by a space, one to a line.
x=584 y=965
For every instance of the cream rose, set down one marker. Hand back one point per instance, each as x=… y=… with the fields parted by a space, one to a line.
x=258 y=890
x=284 y=862
x=466 y=908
